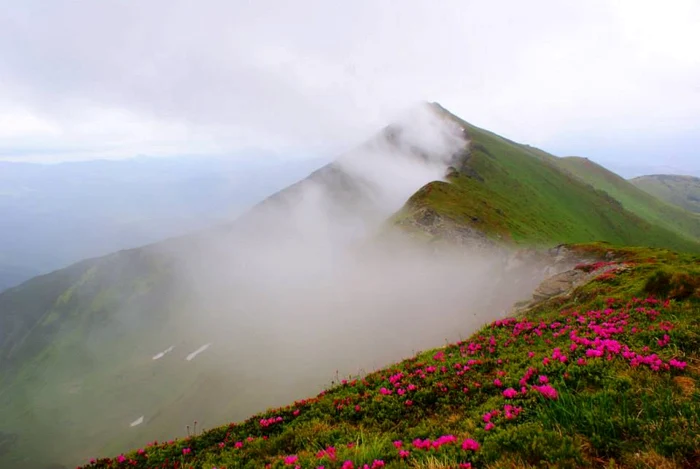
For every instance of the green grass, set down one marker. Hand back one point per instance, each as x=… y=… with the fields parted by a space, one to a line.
x=633 y=198
x=611 y=411
x=519 y=193
x=683 y=191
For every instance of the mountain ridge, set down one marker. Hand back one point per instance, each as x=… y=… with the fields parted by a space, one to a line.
x=113 y=313
x=680 y=190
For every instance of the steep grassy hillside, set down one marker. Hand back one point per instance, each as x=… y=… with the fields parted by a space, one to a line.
x=606 y=376
x=519 y=193
x=646 y=206
x=683 y=191
x=98 y=357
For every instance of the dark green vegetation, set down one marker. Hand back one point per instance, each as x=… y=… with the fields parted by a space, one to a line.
x=76 y=345
x=683 y=191
x=608 y=376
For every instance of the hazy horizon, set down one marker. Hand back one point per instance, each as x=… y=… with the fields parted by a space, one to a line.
x=612 y=81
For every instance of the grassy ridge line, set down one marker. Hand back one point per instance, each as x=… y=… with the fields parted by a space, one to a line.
x=634 y=199
x=520 y=193
x=683 y=191
x=607 y=377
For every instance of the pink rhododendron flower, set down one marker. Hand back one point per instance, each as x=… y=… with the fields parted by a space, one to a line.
x=677 y=364
x=470 y=445
x=547 y=391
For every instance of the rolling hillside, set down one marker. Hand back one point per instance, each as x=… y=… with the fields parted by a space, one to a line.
x=604 y=375
x=115 y=351
x=683 y=191
x=519 y=193
x=646 y=206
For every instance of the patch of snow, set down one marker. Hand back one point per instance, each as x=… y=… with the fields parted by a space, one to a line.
x=138 y=421
x=162 y=354
x=197 y=352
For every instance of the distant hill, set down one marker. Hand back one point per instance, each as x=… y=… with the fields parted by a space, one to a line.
x=637 y=201
x=52 y=215
x=100 y=356
x=683 y=191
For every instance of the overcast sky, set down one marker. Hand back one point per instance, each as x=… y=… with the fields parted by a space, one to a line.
x=617 y=81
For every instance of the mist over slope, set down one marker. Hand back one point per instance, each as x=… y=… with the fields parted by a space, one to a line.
x=214 y=326
x=683 y=191
x=398 y=245
x=523 y=195
x=72 y=211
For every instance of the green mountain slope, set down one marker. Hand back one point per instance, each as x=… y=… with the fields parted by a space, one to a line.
x=637 y=201
x=683 y=191
x=606 y=376
x=522 y=194
x=99 y=357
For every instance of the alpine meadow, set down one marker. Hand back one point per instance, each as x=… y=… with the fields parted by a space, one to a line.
x=378 y=234
x=432 y=230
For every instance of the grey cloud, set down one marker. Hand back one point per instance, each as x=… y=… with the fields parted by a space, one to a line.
x=324 y=75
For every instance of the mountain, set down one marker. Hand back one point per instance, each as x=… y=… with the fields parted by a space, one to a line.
x=597 y=373
x=71 y=211
x=522 y=194
x=683 y=191
x=398 y=245
x=637 y=201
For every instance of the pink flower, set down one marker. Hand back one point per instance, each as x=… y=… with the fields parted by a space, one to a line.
x=543 y=379
x=404 y=453
x=547 y=391
x=289 y=460
x=530 y=354
x=377 y=463
x=238 y=444
x=465 y=465
x=470 y=445
x=121 y=458
x=348 y=465
x=510 y=393
x=497 y=382
x=489 y=426
x=296 y=412
x=186 y=451
x=677 y=364
x=398 y=444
